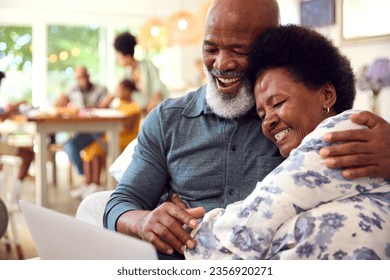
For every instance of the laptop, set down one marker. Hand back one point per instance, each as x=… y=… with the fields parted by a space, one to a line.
x=61 y=237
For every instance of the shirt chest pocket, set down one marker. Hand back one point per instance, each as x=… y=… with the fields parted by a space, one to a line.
x=197 y=176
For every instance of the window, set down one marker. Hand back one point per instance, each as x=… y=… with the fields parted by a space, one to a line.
x=38 y=57
x=16 y=62
x=68 y=47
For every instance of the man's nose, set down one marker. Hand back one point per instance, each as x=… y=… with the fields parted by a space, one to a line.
x=224 y=62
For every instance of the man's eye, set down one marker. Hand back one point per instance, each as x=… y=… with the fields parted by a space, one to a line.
x=209 y=50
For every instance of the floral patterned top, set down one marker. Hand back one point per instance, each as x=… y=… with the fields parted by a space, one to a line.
x=302 y=210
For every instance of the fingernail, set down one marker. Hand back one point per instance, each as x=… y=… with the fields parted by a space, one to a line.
x=170 y=251
x=190 y=244
x=193 y=223
x=328 y=137
x=330 y=161
x=347 y=174
x=174 y=195
x=324 y=152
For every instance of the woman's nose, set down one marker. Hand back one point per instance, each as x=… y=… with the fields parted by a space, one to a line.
x=270 y=120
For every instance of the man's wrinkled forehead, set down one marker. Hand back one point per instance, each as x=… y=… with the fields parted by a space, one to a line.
x=233 y=16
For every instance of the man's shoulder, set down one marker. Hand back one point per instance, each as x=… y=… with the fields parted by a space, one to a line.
x=175 y=110
x=73 y=90
x=192 y=98
x=99 y=88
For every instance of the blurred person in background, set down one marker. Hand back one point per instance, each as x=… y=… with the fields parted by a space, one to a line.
x=150 y=89
x=93 y=155
x=84 y=94
x=26 y=154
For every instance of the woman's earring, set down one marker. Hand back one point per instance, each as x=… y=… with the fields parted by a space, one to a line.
x=326 y=111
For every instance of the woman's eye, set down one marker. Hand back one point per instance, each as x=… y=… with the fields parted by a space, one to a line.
x=261 y=116
x=278 y=104
x=241 y=53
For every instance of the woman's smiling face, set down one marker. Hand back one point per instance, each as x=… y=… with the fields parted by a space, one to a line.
x=289 y=110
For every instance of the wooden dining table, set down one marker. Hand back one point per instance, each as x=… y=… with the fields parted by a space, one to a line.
x=42 y=126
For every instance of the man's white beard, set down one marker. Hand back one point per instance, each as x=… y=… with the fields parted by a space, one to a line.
x=229 y=106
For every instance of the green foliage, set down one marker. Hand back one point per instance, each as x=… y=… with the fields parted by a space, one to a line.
x=68 y=46
x=80 y=45
x=15 y=45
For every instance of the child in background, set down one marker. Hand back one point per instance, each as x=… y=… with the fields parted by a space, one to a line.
x=93 y=155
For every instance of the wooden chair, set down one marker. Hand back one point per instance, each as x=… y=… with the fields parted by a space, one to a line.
x=10 y=167
x=53 y=149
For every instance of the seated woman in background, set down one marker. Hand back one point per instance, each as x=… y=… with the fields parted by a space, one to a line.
x=93 y=155
x=26 y=154
x=303 y=89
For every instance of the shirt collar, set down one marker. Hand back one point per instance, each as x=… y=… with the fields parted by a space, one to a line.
x=198 y=105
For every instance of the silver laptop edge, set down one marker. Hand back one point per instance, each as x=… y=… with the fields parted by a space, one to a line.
x=61 y=237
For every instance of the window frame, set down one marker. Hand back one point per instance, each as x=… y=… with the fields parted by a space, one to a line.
x=40 y=20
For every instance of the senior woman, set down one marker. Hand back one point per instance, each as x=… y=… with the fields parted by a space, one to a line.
x=304 y=88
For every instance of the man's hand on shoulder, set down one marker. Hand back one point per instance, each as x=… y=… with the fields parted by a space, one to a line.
x=360 y=152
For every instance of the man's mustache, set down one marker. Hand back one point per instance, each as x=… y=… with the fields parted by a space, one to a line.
x=225 y=74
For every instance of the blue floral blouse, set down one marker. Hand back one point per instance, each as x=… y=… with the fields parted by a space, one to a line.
x=302 y=210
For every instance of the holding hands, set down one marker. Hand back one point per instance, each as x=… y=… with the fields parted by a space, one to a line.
x=163 y=227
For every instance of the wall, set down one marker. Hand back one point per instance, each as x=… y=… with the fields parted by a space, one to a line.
x=360 y=52
x=129 y=8
x=363 y=54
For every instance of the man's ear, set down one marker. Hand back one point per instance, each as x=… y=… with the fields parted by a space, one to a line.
x=329 y=95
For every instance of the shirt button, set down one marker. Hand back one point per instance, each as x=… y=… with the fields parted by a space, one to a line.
x=233 y=148
x=231 y=191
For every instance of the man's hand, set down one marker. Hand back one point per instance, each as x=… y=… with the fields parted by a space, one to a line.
x=62 y=101
x=362 y=152
x=177 y=201
x=163 y=227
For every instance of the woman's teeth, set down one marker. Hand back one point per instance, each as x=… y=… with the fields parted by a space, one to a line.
x=279 y=136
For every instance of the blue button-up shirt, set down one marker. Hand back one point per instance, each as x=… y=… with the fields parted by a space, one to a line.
x=184 y=147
